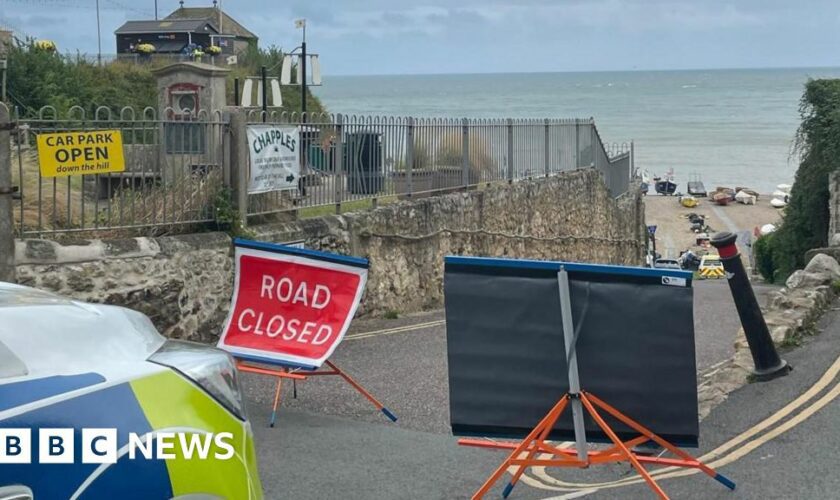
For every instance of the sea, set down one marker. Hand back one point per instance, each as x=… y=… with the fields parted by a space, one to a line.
x=732 y=127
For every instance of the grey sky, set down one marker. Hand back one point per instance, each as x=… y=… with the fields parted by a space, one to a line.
x=436 y=36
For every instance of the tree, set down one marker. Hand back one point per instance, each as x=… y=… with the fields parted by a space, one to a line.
x=807 y=215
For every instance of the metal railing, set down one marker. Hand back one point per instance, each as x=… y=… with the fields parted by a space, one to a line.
x=175 y=168
x=346 y=158
x=152 y=59
x=181 y=166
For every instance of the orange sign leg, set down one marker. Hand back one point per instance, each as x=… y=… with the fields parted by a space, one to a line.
x=525 y=452
x=282 y=373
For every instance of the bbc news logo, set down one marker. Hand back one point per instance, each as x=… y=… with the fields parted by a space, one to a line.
x=100 y=446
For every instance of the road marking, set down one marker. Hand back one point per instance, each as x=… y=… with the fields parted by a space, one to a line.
x=715 y=458
x=725 y=219
x=569 y=496
x=398 y=329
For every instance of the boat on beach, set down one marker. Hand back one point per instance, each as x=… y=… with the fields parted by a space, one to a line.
x=696 y=187
x=644 y=186
x=665 y=185
x=722 y=198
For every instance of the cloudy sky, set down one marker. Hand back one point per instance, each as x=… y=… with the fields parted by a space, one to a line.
x=468 y=36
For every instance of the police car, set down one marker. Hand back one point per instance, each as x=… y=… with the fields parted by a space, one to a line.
x=96 y=404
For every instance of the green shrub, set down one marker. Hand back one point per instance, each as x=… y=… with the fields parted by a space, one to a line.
x=807 y=215
x=38 y=78
x=764 y=257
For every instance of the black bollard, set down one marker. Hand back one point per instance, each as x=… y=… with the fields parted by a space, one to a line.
x=768 y=364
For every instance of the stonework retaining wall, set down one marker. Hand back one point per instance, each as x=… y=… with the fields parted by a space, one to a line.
x=184 y=282
x=790 y=314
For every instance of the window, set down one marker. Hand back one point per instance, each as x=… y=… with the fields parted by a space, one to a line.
x=185 y=138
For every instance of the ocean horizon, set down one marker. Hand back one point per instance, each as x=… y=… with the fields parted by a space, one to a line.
x=730 y=126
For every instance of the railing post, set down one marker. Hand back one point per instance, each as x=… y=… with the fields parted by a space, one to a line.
x=409 y=154
x=592 y=137
x=239 y=162
x=465 y=153
x=224 y=130
x=547 y=149
x=7 y=223
x=339 y=162
x=577 y=143
x=510 y=150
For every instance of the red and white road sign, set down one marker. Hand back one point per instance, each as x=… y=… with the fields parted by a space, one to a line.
x=291 y=306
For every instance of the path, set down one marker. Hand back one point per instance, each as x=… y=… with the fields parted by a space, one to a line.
x=329 y=443
x=673 y=229
x=775 y=439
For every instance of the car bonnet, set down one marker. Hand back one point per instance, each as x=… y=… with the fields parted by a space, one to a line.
x=53 y=335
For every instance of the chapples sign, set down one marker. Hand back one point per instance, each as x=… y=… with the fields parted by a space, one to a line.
x=275 y=158
x=291 y=306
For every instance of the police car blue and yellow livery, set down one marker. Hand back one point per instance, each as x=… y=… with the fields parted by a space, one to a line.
x=78 y=368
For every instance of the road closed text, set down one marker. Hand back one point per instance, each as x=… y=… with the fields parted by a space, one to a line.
x=286 y=291
x=79 y=153
x=290 y=308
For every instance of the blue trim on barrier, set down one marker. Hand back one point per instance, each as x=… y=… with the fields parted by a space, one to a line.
x=314 y=254
x=27 y=391
x=725 y=481
x=507 y=490
x=570 y=266
x=273 y=362
x=388 y=414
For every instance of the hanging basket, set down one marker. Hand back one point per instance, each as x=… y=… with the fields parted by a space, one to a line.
x=145 y=48
x=214 y=50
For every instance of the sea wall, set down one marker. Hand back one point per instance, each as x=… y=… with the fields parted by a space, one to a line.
x=184 y=282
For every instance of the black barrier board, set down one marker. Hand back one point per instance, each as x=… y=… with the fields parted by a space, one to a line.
x=507 y=359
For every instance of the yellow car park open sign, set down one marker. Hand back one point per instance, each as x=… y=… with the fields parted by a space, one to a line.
x=84 y=152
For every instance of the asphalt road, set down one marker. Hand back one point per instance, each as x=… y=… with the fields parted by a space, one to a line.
x=793 y=457
x=331 y=443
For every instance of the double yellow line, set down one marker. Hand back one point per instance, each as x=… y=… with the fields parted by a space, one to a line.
x=730 y=451
x=398 y=329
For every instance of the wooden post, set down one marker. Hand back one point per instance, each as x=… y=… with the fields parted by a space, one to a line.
x=239 y=162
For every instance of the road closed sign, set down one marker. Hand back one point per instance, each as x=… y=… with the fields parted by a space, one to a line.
x=291 y=306
x=77 y=153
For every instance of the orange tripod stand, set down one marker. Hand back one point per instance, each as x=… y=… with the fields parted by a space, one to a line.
x=535 y=443
x=281 y=373
x=580 y=402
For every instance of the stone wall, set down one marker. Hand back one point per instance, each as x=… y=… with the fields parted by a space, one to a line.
x=834 y=208
x=790 y=313
x=406 y=242
x=183 y=282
